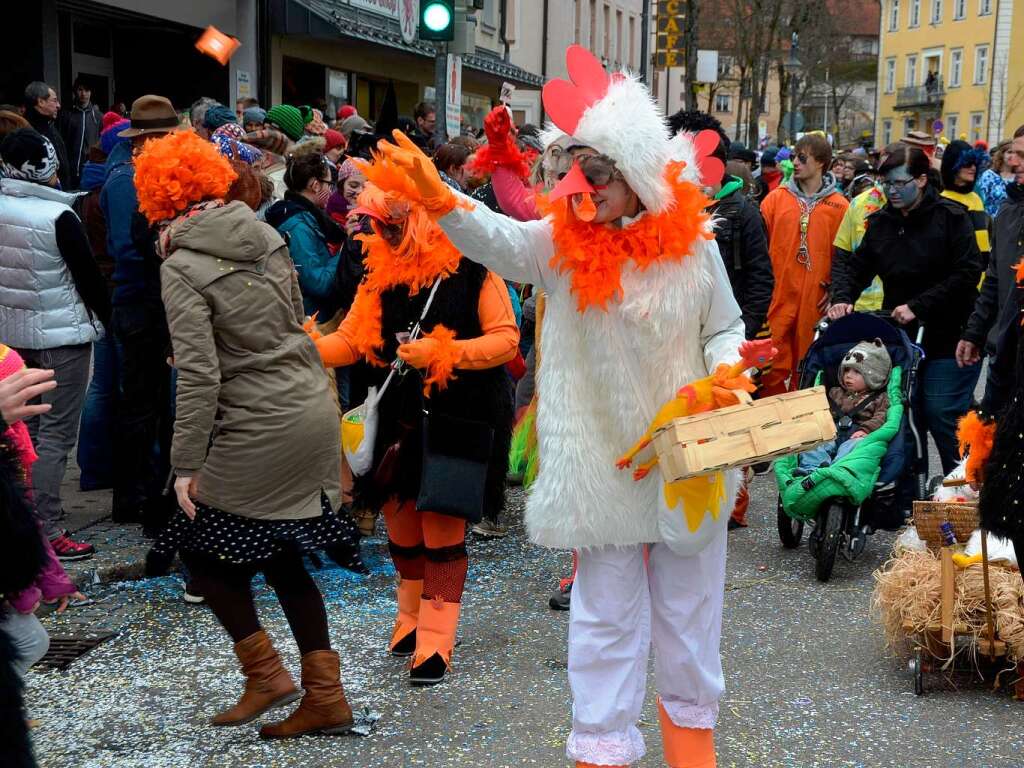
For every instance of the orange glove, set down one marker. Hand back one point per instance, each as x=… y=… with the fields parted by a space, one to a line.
x=437 y=197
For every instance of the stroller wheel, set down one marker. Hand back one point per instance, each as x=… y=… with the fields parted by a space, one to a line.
x=830 y=535
x=856 y=543
x=791 y=530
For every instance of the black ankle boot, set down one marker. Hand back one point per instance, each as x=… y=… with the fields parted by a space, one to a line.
x=430 y=672
x=406 y=646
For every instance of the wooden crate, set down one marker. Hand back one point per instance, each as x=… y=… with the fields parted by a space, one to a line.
x=753 y=431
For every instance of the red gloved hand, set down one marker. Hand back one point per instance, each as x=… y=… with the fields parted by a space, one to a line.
x=498 y=125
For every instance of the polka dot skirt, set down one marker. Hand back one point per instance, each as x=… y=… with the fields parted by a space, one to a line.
x=242 y=540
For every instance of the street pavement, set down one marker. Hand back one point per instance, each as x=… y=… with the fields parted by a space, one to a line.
x=809 y=683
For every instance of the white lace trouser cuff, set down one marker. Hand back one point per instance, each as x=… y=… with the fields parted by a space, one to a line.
x=613 y=748
x=691 y=715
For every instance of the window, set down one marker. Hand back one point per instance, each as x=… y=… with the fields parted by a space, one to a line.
x=890 y=75
x=632 y=43
x=909 y=124
x=725 y=64
x=956 y=67
x=911 y=71
x=607 y=32
x=886 y=132
x=985 y=8
x=619 y=51
x=723 y=102
x=976 y=118
x=936 y=17
x=511 y=20
x=894 y=15
x=980 y=65
x=952 y=127
x=959 y=10
x=592 y=40
x=915 y=14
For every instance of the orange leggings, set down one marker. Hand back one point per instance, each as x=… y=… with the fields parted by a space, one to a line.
x=428 y=546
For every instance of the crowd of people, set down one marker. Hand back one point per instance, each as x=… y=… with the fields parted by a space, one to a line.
x=194 y=299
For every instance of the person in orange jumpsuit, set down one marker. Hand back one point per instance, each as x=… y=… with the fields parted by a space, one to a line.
x=469 y=333
x=802 y=218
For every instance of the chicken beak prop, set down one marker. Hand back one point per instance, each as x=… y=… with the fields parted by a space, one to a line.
x=575 y=184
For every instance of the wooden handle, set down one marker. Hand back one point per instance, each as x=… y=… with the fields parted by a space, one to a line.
x=743 y=396
x=955 y=482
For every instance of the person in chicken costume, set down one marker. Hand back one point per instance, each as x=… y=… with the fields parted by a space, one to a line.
x=639 y=305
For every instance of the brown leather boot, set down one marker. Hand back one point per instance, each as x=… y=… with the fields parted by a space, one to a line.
x=267 y=682
x=323 y=708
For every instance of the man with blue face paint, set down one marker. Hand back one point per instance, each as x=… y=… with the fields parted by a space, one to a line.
x=924 y=249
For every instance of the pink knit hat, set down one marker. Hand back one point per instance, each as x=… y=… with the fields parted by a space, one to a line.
x=10 y=362
x=109 y=119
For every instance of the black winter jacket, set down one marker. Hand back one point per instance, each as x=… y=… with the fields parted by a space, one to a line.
x=80 y=129
x=928 y=260
x=744 y=247
x=1007 y=250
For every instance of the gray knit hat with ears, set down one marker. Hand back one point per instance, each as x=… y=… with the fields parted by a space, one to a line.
x=871 y=360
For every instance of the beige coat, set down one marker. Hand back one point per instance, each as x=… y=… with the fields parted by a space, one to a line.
x=255 y=419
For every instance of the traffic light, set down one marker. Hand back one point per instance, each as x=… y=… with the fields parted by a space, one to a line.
x=437 y=20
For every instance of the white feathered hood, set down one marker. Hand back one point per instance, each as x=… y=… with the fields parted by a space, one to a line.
x=616 y=115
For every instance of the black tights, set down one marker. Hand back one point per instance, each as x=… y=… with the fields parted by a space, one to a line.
x=228 y=591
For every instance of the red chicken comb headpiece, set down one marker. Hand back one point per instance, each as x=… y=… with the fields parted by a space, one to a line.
x=565 y=101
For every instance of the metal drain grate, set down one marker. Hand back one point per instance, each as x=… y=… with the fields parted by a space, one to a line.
x=65 y=649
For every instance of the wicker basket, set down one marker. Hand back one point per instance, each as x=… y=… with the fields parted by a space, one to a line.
x=930 y=515
x=753 y=431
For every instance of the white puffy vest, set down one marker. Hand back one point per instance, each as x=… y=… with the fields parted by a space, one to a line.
x=40 y=308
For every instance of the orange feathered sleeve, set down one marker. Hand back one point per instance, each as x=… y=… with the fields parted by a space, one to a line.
x=357 y=337
x=495 y=346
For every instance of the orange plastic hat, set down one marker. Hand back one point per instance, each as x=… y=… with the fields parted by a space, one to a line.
x=217 y=45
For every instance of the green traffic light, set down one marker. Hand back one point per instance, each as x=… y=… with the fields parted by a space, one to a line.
x=437 y=17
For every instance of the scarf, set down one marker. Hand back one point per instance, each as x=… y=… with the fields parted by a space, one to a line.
x=594 y=255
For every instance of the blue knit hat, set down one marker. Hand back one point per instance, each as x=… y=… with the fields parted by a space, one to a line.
x=218 y=115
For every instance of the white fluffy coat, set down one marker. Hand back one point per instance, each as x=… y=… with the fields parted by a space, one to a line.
x=682 y=321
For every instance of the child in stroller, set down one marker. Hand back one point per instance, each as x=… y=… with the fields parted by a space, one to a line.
x=846 y=497
x=859 y=404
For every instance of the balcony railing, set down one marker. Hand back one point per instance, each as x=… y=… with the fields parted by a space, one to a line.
x=922 y=96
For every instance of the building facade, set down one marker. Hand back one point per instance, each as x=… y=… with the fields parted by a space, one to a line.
x=319 y=52
x=954 y=68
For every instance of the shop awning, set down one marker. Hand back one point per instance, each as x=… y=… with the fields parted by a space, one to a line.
x=336 y=18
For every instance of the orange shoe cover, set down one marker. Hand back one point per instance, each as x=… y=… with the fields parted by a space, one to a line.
x=436 y=630
x=686 y=747
x=410 y=592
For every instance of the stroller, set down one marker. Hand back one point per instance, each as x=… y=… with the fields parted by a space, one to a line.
x=870 y=487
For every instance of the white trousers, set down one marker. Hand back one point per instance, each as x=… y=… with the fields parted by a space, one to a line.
x=619 y=606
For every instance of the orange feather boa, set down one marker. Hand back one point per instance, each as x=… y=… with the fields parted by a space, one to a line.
x=424 y=255
x=976 y=438
x=442 y=367
x=594 y=254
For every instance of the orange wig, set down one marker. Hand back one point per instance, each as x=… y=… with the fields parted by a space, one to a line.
x=173 y=172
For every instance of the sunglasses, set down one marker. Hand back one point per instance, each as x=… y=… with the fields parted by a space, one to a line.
x=599 y=170
x=389 y=231
x=803 y=158
x=896 y=183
